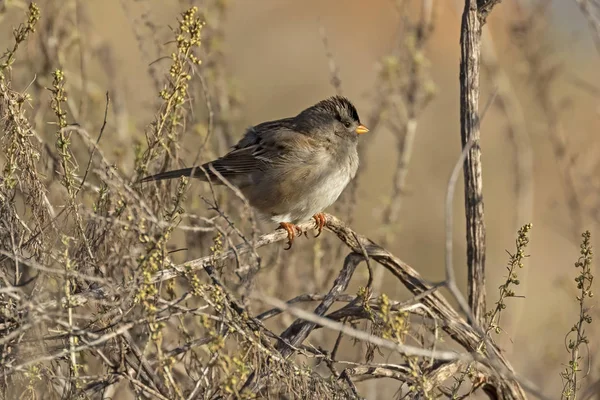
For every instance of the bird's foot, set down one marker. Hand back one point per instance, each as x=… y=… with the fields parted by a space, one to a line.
x=292 y=231
x=320 y=221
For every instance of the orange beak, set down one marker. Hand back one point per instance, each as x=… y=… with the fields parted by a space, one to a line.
x=361 y=129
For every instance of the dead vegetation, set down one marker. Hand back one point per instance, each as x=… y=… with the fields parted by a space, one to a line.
x=111 y=289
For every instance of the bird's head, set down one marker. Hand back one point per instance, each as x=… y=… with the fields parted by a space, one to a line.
x=333 y=116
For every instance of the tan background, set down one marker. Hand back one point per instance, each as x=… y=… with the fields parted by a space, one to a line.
x=276 y=57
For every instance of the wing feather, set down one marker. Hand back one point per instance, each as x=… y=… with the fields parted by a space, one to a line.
x=264 y=146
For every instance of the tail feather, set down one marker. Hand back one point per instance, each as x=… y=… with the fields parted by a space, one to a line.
x=194 y=172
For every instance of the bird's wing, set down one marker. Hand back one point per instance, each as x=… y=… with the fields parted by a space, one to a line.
x=264 y=146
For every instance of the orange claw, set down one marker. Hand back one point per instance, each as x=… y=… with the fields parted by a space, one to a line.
x=320 y=221
x=291 y=230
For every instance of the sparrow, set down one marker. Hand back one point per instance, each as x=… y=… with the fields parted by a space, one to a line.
x=290 y=169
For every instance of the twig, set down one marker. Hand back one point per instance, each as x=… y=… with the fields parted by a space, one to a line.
x=87 y=169
x=315 y=319
x=334 y=71
x=299 y=330
x=593 y=18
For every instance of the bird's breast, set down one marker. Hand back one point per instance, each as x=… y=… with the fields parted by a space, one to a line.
x=335 y=175
x=294 y=192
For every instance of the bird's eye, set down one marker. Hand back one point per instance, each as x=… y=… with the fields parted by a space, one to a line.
x=347 y=124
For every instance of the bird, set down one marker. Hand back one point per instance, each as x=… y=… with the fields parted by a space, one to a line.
x=290 y=169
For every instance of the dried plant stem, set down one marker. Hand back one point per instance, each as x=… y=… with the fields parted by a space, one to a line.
x=591 y=10
x=470 y=48
x=576 y=341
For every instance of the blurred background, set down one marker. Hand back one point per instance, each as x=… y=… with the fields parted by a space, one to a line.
x=540 y=140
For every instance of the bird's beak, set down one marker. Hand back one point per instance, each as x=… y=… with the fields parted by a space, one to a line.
x=361 y=129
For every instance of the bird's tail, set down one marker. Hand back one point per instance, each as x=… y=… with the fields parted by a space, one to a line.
x=194 y=172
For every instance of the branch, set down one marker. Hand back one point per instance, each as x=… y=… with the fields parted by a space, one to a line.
x=458 y=329
x=473 y=18
x=300 y=329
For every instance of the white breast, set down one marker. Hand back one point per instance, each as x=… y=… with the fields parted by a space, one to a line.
x=325 y=190
x=330 y=189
